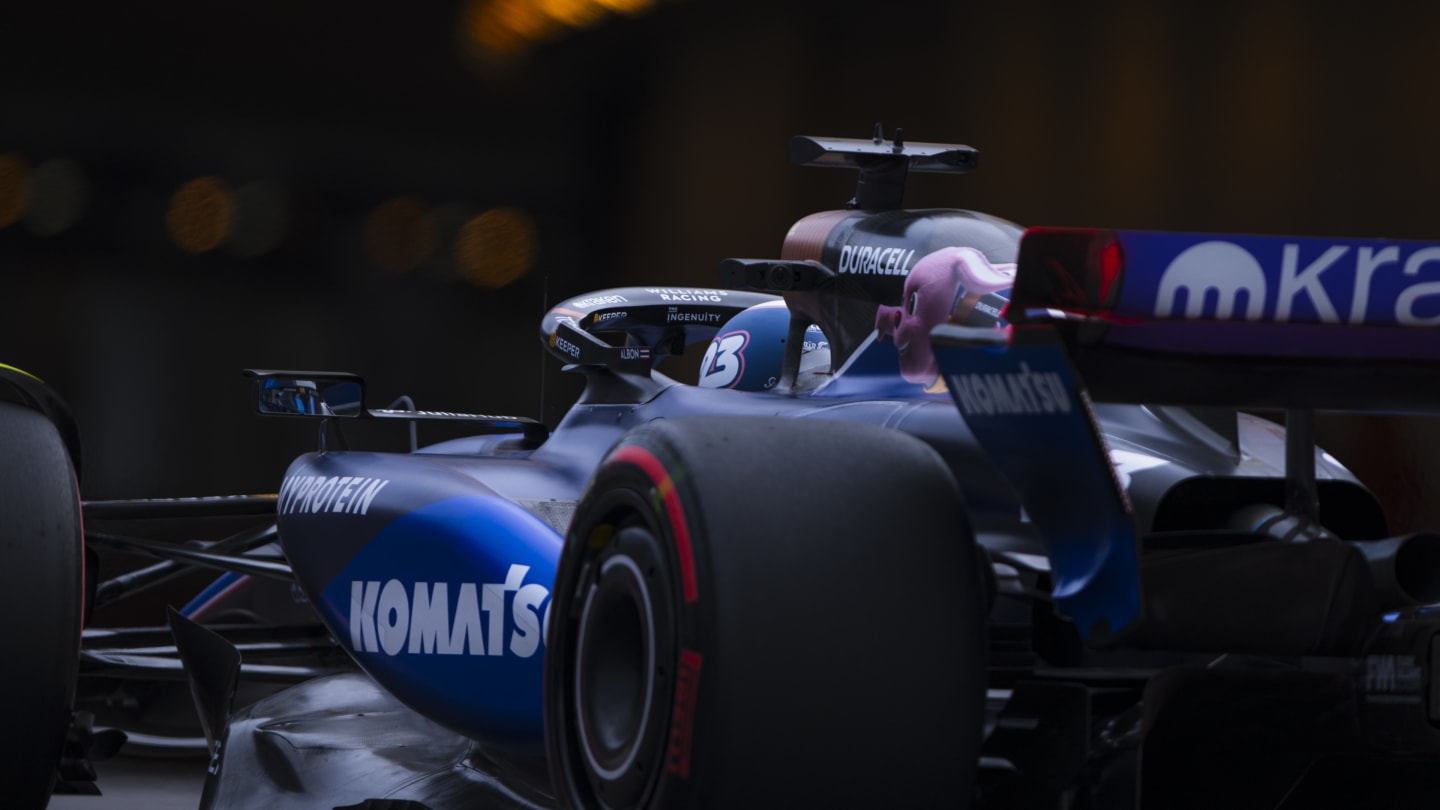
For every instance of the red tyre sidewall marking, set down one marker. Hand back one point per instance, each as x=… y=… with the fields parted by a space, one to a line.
x=687 y=683
x=665 y=486
x=682 y=721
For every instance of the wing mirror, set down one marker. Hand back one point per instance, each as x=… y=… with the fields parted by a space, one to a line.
x=308 y=393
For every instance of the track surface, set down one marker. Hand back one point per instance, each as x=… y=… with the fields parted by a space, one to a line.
x=142 y=783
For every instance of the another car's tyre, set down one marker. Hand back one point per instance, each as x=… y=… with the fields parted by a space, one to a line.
x=767 y=613
x=41 y=592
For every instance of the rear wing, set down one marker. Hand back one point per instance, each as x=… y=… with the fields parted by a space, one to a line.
x=1186 y=319
x=1241 y=321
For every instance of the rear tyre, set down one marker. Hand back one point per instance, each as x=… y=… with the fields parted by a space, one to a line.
x=767 y=613
x=41 y=580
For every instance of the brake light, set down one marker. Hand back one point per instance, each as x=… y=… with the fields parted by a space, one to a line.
x=1075 y=270
x=1112 y=261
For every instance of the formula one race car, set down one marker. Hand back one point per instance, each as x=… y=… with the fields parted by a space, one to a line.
x=955 y=514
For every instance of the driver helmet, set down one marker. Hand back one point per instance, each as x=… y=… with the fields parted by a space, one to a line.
x=749 y=351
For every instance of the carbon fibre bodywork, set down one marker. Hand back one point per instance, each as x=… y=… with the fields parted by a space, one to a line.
x=456 y=519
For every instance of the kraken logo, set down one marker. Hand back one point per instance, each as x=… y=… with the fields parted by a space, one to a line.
x=1223 y=268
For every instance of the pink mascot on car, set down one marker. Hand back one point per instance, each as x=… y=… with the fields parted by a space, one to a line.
x=954 y=284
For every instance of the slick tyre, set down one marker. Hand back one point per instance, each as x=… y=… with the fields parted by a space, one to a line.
x=766 y=613
x=41 y=587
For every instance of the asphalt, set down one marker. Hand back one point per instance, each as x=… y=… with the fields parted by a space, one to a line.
x=142 y=783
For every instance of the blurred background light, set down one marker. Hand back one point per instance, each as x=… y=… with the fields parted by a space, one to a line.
x=14 y=188
x=496 y=248
x=507 y=28
x=503 y=28
x=201 y=215
x=444 y=265
x=262 y=218
x=626 y=6
x=59 y=195
x=399 y=234
x=571 y=13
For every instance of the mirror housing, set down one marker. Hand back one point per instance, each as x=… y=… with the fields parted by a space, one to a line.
x=308 y=393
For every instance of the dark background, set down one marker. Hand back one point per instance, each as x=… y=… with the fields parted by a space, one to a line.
x=643 y=148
